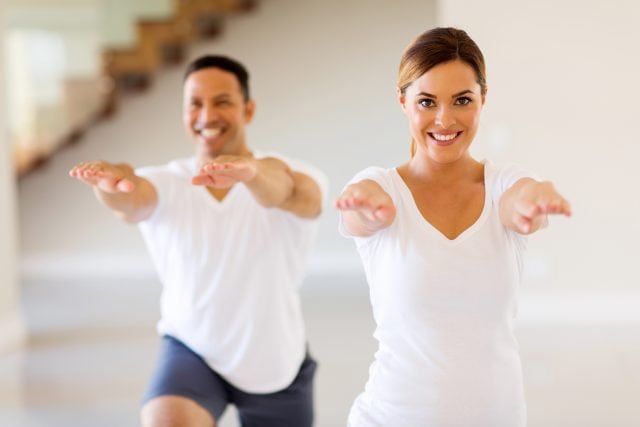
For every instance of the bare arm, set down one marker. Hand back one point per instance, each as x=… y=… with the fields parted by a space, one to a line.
x=130 y=197
x=270 y=180
x=365 y=208
x=525 y=205
x=305 y=199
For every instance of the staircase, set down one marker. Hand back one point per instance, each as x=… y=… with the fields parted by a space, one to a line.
x=69 y=62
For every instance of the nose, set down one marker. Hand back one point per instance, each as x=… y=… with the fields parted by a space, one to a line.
x=207 y=114
x=445 y=118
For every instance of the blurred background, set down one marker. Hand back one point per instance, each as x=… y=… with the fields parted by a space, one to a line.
x=101 y=79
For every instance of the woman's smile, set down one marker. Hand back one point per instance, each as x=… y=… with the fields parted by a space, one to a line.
x=444 y=139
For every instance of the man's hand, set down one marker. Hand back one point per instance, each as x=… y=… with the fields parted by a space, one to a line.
x=130 y=197
x=104 y=176
x=225 y=171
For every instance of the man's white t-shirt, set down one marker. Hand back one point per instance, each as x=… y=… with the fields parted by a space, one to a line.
x=444 y=312
x=230 y=272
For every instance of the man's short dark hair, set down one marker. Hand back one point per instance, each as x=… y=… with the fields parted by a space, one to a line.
x=224 y=63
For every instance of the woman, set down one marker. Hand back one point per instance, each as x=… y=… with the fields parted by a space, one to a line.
x=441 y=239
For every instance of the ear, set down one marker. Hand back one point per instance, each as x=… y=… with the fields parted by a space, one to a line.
x=484 y=95
x=401 y=98
x=249 y=110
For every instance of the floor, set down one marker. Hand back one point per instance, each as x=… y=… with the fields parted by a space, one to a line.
x=92 y=345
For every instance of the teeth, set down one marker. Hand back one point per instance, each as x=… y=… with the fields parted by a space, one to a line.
x=210 y=133
x=439 y=137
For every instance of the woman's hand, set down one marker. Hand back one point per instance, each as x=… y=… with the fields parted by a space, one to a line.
x=524 y=207
x=366 y=208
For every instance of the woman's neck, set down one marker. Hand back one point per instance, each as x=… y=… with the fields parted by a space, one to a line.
x=421 y=168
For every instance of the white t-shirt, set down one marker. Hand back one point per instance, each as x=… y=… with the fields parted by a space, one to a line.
x=230 y=272
x=444 y=311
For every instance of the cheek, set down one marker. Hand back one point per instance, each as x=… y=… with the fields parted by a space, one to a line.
x=420 y=120
x=189 y=120
x=412 y=114
x=471 y=119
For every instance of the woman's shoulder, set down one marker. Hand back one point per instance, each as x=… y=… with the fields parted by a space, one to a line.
x=500 y=176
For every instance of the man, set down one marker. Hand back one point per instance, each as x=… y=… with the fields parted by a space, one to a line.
x=228 y=231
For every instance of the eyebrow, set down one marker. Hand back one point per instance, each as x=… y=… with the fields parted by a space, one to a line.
x=223 y=95
x=428 y=95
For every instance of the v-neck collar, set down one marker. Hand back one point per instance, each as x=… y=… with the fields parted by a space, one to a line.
x=415 y=212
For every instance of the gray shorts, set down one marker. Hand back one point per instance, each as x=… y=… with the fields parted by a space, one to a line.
x=179 y=371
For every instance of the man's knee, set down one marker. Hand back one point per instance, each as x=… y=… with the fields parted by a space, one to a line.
x=175 y=411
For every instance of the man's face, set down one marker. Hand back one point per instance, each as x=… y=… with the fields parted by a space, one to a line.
x=215 y=113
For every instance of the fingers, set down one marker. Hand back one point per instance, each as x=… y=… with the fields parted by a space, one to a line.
x=529 y=213
x=556 y=207
x=227 y=173
x=103 y=176
x=78 y=170
x=548 y=200
x=369 y=209
x=87 y=172
x=217 y=167
x=215 y=181
x=352 y=203
x=530 y=210
x=202 y=179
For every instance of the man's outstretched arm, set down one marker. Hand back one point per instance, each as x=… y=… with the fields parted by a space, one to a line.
x=130 y=197
x=270 y=180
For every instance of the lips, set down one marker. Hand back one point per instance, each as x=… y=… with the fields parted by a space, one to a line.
x=444 y=139
x=210 y=133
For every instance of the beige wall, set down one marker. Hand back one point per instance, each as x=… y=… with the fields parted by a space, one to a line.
x=10 y=320
x=563 y=101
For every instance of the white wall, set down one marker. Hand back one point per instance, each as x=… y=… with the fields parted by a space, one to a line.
x=323 y=74
x=10 y=320
x=563 y=100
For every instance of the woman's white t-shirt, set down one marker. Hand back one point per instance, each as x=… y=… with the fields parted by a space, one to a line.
x=230 y=272
x=444 y=312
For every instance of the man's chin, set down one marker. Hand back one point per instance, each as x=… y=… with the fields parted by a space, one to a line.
x=211 y=149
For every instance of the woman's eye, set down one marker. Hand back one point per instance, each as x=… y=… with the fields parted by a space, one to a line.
x=463 y=101
x=426 y=103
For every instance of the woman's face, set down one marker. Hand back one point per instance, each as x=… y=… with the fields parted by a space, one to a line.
x=443 y=107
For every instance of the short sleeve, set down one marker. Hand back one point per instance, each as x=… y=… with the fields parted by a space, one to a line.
x=506 y=176
x=164 y=183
